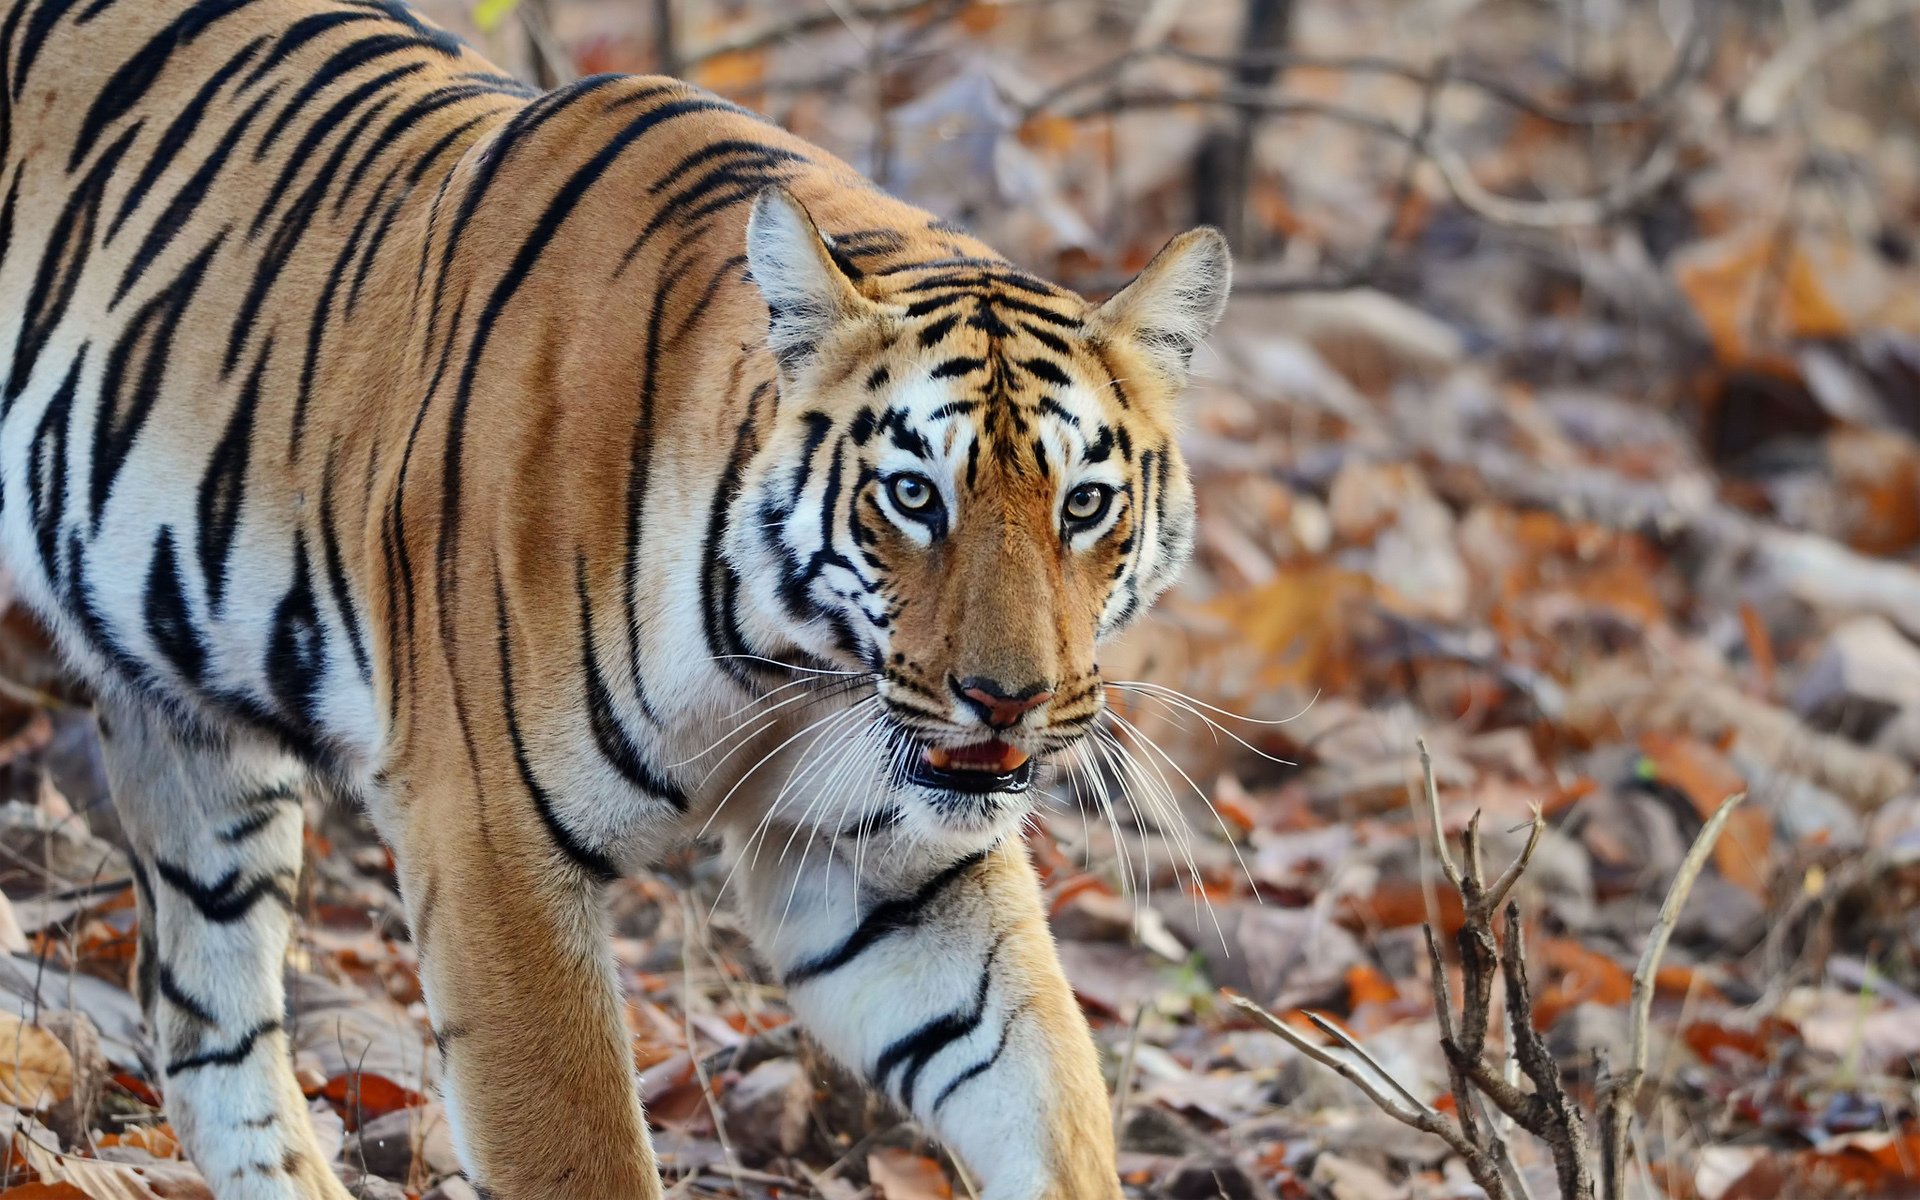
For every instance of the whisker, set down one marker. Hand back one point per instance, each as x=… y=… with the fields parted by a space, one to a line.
x=819 y=694
x=774 y=662
x=768 y=756
x=1171 y=698
x=1146 y=685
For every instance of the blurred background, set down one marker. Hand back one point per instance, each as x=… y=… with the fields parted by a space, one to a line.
x=1565 y=416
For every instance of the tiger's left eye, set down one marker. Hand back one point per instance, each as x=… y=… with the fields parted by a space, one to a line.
x=1088 y=503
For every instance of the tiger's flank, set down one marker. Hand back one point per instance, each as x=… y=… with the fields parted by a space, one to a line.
x=562 y=476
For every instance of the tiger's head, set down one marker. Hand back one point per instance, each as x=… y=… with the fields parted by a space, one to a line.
x=972 y=480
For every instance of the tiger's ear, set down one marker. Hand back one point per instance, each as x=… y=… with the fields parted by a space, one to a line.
x=808 y=296
x=1172 y=305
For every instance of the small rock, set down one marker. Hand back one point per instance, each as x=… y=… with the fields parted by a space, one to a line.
x=388 y=1145
x=47 y=844
x=369 y=1187
x=1585 y=1030
x=1721 y=914
x=1212 y=1178
x=1150 y=1129
x=1345 y=1179
x=767 y=1110
x=1278 y=956
x=1865 y=673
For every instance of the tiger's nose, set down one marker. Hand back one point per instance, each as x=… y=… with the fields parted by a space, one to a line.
x=999 y=706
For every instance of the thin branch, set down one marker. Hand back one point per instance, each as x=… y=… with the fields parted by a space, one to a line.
x=1497 y=894
x=1433 y=813
x=1766 y=94
x=1649 y=176
x=1616 y=1112
x=1420 y=1116
x=801 y=26
x=1688 y=61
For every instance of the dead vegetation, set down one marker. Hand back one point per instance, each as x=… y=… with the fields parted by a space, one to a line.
x=1569 y=416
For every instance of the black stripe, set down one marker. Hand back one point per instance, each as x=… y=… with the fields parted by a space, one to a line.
x=226 y=900
x=939 y=329
x=954 y=367
x=420 y=166
x=337 y=586
x=887 y=917
x=1047 y=371
x=169 y=620
x=47 y=471
x=181 y=999
x=974 y=1071
x=719 y=582
x=347 y=59
x=61 y=264
x=179 y=133
x=225 y=1058
x=299 y=34
x=44 y=19
x=523 y=125
x=224 y=487
x=130 y=83
x=424 y=106
x=325 y=125
x=640 y=469
x=915 y=1050
x=185 y=203
x=136 y=374
x=596 y=865
x=7 y=209
x=609 y=734
x=249 y=825
x=296 y=659
x=1047 y=338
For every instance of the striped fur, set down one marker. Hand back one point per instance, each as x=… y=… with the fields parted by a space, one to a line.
x=535 y=470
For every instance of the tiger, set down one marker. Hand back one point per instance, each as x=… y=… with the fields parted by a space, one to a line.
x=564 y=478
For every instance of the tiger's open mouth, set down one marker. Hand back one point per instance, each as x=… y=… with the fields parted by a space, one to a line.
x=989 y=766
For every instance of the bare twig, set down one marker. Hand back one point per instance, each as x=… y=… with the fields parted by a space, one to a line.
x=552 y=66
x=1649 y=176
x=1433 y=813
x=1765 y=97
x=666 y=40
x=801 y=26
x=1419 y=1115
x=1688 y=61
x=1620 y=1093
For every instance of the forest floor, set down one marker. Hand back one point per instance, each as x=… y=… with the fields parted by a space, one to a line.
x=1617 y=507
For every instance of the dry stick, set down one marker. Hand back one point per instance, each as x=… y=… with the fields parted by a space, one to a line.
x=1652 y=173
x=1481 y=904
x=830 y=18
x=1765 y=97
x=1616 y=1111
x=1422 y=1116
x=1124 y=1084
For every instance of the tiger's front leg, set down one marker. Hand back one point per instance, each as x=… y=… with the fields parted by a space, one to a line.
x=538 y=1081
x=939 y=983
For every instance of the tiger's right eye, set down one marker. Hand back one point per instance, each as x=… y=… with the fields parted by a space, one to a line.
x=912 y=494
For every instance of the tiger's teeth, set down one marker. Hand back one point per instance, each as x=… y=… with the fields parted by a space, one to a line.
x=993 y=757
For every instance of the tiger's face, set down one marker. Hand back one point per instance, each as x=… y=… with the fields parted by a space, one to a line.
x=972 y=479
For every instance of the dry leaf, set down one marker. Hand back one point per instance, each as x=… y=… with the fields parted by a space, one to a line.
x=904 y=1175
x=94 y=1179
x=36 y=1070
